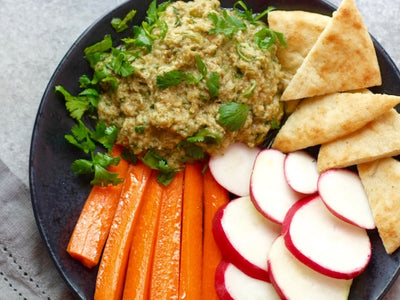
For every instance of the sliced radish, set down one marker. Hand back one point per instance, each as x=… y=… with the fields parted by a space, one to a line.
x=344 y=195
x=324 y=242
x=269 y=190
x=244 y=236
x=233 y=284
x=301 y=172
x=232 y=168
x=294 y=280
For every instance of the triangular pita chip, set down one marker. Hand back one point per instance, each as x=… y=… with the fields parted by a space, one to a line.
x=379 y=138
x=381 y=179
x=301 y=30
x=342 y=59
x=323 y=119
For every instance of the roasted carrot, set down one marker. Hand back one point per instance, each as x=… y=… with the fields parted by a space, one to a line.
x=215 y=196
x=111 y=273
x=192 y=234
x=165 y=271
x=138 y=273
x=91 y=230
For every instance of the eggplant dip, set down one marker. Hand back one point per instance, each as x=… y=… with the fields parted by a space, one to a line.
x=203 y=84
x=190 y=80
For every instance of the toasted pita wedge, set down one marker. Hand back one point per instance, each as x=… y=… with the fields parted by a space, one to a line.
x=301 y=30
x=379 y=138
x=323 y=119
x=342 y=59
x=381 y=179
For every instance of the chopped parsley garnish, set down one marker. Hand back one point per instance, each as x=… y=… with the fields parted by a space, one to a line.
x=171 y=78
x=212 y=82
x=175 y=77
x=266 y=37
x=247 y=14
x=225 y=24
x=159 y=163
x=121 y=25
x=233 y=115
x=86 y=139
x=77 y=106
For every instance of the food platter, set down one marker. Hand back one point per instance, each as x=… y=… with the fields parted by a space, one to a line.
x=58 y=194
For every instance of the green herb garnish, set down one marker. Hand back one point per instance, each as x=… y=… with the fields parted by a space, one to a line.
x=121 y=25
x=266 y=37
x=213 y=84
x=233 y=115
x=157 y=162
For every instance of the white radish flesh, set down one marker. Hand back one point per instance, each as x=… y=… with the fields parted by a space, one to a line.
x=301 y=172
x=294 y=280
x=324 y=242
x=232 y=168
x=344 y=195
x=233 y=284
x=244 y=236
x=269 y=189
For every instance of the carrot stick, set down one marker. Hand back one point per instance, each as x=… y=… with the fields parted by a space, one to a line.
x=165 y=271
x=138 y=273
x=192 y=234
x=91 y=230
x=215 y=196
x=111 y=273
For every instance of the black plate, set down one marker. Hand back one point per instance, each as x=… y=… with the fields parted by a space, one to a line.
x=58 y=195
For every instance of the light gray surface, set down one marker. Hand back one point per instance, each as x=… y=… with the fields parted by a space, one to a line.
x=35 y=35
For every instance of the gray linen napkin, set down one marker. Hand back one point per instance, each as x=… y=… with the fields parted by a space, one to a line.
x=26 y=269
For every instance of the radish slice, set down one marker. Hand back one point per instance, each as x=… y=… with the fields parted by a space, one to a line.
x=233 y=284
x=301 y=172
x=294 y=280
x=324 y=242
x=232 y=168
x=244 y=236
x=344 y=195
x=269 y=189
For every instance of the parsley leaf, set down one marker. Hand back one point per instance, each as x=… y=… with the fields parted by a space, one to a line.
x=266 y=37
x=78 y=105
x=233 y=115
x=98 y=166
x=157 y=162
x=225 y=24
x=213 y=84
x=121 y=25
x=171 y=78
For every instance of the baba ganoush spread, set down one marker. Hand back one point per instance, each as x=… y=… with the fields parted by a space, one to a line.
x=204 y=83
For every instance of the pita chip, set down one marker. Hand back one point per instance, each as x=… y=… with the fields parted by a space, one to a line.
x=379 y=138
x=323 y=119
x=342 y=59
x=381 y=179
x=301 y=30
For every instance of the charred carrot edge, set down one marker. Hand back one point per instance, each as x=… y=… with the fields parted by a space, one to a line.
x=215 y=196
x=165 y=271
x=91 y=230
x=192 y=234
x=112 y=269
x=138 y=273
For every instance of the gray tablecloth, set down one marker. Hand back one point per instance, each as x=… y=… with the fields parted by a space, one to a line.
x=34 y=36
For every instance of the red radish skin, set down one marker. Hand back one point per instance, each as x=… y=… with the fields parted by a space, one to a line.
x=324 y=242
x=244 y=236
x=344 y=195
x=232 y=168
x=269 y=190
x=301 y=172
x=233 y=284
x=294 y=280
